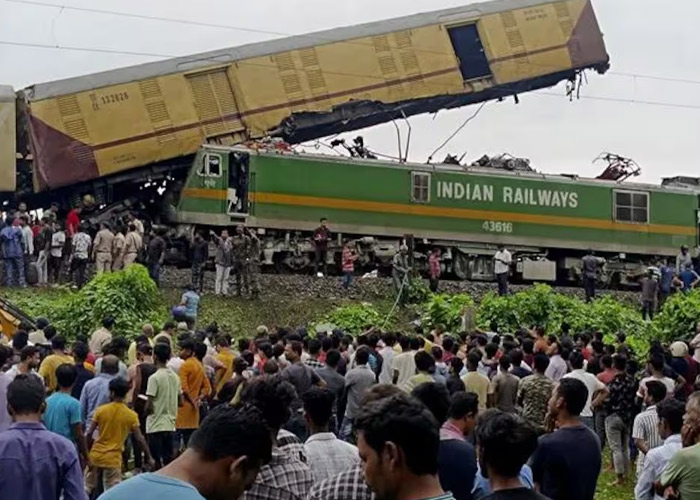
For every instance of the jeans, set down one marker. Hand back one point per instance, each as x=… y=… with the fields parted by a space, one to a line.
x=589 y=422
x=345 y=432
x=14 y=271
x=347 y=279
x=154 y=272
x=502 y=279
x=589 y=286
x=55 y=264
x=79 y=267
x=222 y=275
x=618 y=434
x=161 y=446
x=198 y=276
x=320 y=256
x=648 y=308
x=42 y=264
x=434 y=284
x=599 y=417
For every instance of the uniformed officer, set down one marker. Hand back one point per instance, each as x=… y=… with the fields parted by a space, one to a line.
x=254 y=262
x=400 y=267
x=102 y=249
x=240 y=248
x=132 y=245
x=119 y=248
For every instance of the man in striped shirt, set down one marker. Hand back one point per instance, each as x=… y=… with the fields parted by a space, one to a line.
x=645 y=430
x=670 y=415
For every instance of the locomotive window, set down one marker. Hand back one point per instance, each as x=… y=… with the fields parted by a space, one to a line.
x=632 y=207
x=211 y=166
x=420 y=187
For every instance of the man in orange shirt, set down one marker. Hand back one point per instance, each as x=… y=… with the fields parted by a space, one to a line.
x=224 y=354
x=195 y=387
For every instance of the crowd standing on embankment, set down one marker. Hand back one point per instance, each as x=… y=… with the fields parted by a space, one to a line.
x=189 y=412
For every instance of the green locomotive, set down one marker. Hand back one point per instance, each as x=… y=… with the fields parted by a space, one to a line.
x=547 y=221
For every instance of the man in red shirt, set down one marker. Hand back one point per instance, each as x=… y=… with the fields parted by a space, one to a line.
x=435 y=270
x=349 y=258
x=73 y=220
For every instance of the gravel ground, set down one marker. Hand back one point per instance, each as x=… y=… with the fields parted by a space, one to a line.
x=368 y=289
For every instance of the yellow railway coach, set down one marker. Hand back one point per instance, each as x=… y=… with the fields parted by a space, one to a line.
x=86 y=128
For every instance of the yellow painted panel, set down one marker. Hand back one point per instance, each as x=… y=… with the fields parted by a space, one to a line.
x=8 y=161
x=119 y=120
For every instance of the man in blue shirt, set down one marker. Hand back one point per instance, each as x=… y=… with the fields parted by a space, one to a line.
x=62 y=414
x=688 y=278
x=666 y=282
x=190 y=301
x=12 y=253
x=96 y=391
x=34 y=462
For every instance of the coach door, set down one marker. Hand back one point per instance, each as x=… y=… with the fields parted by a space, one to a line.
x=470 y=52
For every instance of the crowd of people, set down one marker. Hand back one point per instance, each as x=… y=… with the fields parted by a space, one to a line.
x=60 y=250
x=290 y=415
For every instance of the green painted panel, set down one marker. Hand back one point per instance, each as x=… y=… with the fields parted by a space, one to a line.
x=513 y=193
x=578 y=236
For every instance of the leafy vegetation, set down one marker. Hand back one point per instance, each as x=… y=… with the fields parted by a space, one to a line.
x=446 y=310
x=129 y=296
x=679 y=316
x=353 y=319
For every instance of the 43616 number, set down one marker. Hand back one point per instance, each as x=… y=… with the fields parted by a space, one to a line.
x=497 y=227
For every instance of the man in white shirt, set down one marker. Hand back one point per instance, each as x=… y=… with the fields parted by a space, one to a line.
x=597 y=391
x=670 y=414
x=326 y=455
x=656 y=365
x=502 y=262
x=404 y=363
x=388 y=354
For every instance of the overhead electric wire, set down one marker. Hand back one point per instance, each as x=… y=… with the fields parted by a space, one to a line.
x=459 y=129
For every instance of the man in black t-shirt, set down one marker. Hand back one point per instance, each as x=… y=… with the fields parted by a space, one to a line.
x=567 y=462
x=505 y=442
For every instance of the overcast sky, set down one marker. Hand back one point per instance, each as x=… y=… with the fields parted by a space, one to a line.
x=644 y=37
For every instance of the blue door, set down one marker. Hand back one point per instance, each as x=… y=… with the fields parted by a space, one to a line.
x=470 y=52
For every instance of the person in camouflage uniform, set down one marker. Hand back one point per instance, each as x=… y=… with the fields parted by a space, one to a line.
x=534 y=393
x=253 y=262
x=240 y=244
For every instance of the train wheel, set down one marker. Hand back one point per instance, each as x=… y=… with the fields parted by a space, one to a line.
x=460 y=264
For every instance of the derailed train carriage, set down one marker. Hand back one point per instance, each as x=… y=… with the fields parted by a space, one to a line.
x=106 y=134
x=547 y=221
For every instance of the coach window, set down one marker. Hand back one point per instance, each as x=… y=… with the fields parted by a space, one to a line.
x=420 y=187
x=211 y=166
x=631 y=206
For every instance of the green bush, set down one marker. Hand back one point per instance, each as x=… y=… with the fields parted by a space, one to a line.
x=352 y=319
x=536 y=306
x=679 y=315
x=447 y=310
x=130 y=297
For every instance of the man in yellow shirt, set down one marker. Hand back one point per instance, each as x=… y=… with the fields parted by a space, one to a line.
x=47 y=369
x=224 y=354
x=195 y=387
x=476 y=382
x=115 y=421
